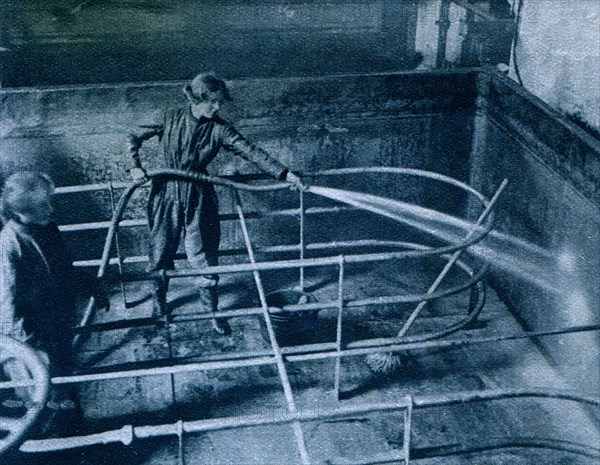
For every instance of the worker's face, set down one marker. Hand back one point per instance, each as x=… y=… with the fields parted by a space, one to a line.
x=39 y=208
x=209 y=107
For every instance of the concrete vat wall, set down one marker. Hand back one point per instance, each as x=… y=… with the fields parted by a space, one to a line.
x=423 y=120
x=78 y=134
x=551 y=273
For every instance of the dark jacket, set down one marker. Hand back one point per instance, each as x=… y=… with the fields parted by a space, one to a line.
x=190 y=144
x=38 y=288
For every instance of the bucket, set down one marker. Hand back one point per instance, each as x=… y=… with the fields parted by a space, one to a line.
x=291 y=328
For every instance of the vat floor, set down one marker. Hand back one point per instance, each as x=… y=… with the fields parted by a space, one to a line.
x=254 y=390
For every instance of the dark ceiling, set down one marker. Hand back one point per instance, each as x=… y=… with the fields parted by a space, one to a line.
x=48 y=42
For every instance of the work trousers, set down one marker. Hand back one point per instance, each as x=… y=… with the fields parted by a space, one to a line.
x=192 y=210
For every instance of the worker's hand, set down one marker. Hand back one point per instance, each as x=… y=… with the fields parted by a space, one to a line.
x=43 y=357
x=295 y=181
x=133 y=144
x=137 y=173
x=231 y=172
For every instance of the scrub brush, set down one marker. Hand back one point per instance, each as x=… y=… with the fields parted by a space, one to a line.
x=383 y=362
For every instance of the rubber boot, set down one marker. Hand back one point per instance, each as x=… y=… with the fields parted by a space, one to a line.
x=159 y=298
x=209 y=298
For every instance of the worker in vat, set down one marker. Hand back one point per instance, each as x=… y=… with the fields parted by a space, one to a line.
x=38 y=283
x=191 y=137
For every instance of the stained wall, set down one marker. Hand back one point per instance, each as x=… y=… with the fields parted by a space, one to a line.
x=78 y=134
x=547 y=260
x=558 y=56
x=52 y=42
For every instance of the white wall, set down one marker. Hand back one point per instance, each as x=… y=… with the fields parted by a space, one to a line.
x=558 y=55
x=426 y=39
x=558 y=52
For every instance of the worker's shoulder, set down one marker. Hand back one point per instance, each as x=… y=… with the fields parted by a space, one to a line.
x=11 y=239
x=226 y=127
x=8 y=229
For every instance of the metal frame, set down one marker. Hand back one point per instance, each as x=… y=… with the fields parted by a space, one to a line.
x=127 y=434
x=279 y=356
x=418 y=251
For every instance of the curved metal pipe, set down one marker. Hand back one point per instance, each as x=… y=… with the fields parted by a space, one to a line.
x=199 y=178
x=406 y=171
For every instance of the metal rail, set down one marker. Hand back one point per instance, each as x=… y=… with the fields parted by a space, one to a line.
x=302 y=353
x=338 y=329
x=283 y=376
x=127 y=434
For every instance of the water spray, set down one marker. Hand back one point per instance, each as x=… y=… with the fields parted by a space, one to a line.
x=387 y=362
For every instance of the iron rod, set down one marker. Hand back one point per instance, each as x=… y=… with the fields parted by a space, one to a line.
x=89 y=187
x=262 y=249
x=181 y=451
x=338 y=332
x=95 y=225
x=444 y=272
x=119 y=256
x=302 y=238
x=276 y=265
x=127 y=433
x=136 y=223
x=287 y=388
x=393 y=458
x=301 y=354
x=155 y=371
x=407 y=429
